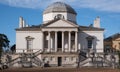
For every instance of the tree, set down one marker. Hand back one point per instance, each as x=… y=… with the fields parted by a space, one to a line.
x=13 y=48
x=4 y=42
x=119 y=57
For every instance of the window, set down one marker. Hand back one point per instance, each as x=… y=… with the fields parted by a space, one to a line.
x=52 y=58
x=59 y=16
x=29 y=44
x=89 y=43
x=66 y=58
x=73 y=58
x=107 y=48
x=46 y=59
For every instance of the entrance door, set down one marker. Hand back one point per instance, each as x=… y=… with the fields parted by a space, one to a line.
x=59 y=61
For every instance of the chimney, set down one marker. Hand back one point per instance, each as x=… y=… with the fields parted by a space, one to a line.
x=20 y=22
x=23 y=23
x=97 y=22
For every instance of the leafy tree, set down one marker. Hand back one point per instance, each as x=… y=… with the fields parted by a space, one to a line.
x=13 y=48
x=4 y=42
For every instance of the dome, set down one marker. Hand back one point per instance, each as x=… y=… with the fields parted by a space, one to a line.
x=59 y=7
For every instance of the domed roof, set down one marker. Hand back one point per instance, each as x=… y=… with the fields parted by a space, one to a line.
x=59 y=7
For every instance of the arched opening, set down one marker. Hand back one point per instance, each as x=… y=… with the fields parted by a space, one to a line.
x=59 y=16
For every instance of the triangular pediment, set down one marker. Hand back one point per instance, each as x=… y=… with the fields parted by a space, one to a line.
x=61 y=23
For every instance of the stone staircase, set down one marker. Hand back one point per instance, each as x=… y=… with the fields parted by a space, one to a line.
x=25 y=60
x=96 y=61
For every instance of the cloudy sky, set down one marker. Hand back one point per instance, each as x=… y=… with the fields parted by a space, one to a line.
x=100 y=5
x=31 y=10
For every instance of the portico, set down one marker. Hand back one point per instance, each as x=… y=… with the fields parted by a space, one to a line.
x=60 y=41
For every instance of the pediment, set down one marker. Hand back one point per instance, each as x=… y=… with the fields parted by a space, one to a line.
x=61 y=23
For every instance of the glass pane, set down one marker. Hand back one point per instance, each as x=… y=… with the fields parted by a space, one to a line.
x=89 y=43
x=29 y=44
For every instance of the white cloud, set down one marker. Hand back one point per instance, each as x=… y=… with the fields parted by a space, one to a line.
x=101 y=5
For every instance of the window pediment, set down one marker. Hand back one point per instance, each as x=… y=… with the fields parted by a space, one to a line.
x=90 y=38
x=29 y=38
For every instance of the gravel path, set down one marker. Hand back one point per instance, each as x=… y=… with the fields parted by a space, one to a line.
x=60 y=70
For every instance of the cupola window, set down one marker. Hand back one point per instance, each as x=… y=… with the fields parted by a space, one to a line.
x=59 y=16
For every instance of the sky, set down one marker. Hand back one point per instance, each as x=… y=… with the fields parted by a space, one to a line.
x=31 y=11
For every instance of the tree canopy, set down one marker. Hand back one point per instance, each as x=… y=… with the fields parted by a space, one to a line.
x=4 y=42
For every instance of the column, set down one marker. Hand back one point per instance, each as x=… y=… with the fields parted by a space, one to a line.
x=69 y=41
x=49 y=42
x=42 y=41
x=55 y=41
x=62 y=41
x=76 y=41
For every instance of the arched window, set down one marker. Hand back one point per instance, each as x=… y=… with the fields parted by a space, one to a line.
x=59 y=16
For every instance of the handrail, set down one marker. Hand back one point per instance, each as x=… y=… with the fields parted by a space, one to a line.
x=13 y=61
x=84 y=62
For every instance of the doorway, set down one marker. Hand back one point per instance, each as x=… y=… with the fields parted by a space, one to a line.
x=59 y=40
x=59 y=61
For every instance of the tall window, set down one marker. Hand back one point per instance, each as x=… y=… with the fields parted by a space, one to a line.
x=89 y=43
x=29 y=44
